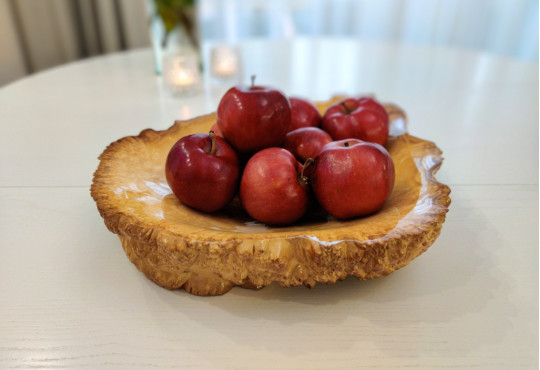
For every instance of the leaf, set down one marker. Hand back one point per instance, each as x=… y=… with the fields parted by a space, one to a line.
x=172 y=13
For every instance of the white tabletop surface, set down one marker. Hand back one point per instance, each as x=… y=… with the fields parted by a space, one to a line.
x=69 y=297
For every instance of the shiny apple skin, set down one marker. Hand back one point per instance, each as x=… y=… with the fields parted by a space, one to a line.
x=358 y=119
x=369 y=102
x=354 y=180
x=306 y=142
x=252 y=118
x=270 y=190
x=199 y=179
x=304 y=114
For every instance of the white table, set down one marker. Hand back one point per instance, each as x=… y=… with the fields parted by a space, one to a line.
x=69 y=297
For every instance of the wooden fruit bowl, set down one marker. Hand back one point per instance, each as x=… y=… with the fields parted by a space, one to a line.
x=208 y=254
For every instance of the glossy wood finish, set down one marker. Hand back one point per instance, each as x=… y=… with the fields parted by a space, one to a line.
x=207 y=254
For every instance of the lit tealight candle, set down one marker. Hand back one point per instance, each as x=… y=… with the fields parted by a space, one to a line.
x=181 y=73
x=226 y=67
x=182 y=78
x=225 y=62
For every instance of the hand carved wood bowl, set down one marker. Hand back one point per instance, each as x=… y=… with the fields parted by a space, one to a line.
x=208 y=254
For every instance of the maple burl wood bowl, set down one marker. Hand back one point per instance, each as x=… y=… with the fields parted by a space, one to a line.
x=207 y=254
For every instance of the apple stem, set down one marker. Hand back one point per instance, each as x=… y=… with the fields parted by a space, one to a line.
x=252 y=80
x=346 y=108
x=213 y=146
x=303 y=179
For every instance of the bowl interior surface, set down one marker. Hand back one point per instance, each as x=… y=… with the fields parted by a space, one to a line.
x=140 y=189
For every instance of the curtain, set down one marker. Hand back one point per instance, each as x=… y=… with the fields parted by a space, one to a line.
x=508 y=27
x=39 y=34
x=35 y=35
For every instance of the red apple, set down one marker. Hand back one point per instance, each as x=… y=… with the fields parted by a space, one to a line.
x=273 y=189
x=306 y=142
x=367 y=101
x=352 y=178
x=304 y=114
x=202 y=171
x=357 y=118
x=252 y=118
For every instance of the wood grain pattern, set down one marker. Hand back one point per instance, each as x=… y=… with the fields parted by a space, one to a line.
x=178 y=247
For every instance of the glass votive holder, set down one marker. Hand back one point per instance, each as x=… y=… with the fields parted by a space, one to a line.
x=181 y=75
x=225 y=64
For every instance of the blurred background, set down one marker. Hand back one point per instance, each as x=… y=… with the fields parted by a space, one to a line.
x=36 y=35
